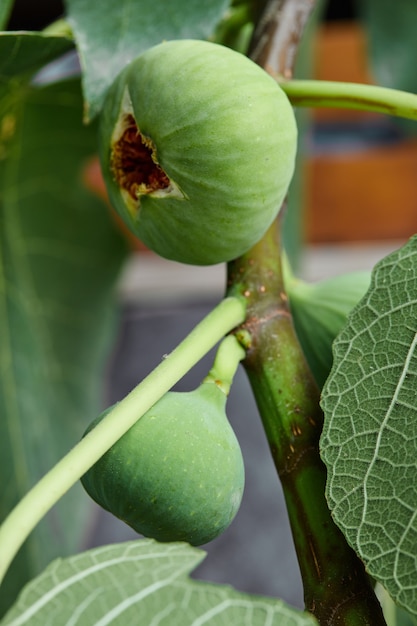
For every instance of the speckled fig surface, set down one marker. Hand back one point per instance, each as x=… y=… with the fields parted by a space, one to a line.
x=178 y=473
x=197 y=148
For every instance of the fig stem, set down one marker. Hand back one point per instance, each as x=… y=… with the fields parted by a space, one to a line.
x=334 y=94
x=336 y=587
x=228 y=314
x=226 y=362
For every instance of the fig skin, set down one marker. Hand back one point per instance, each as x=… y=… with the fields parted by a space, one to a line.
x=178 y=473
x=224 y=134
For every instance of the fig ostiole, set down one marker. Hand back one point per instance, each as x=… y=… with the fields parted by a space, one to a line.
x=178 y=473
x=197 y=147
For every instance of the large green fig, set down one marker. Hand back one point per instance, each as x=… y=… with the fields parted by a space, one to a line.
x=197 y=148
x=177 y=474
x=319 y=312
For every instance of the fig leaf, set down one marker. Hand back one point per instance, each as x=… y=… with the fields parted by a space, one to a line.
x=110 y=34
x=369 y=440
x=141 y=582
x=320 y=311
x=392 y=46
x=60 y=258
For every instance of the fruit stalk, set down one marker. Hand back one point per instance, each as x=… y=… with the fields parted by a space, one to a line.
x=333 y=94
x=40 y=499
x=229 y=354
x=336 y=588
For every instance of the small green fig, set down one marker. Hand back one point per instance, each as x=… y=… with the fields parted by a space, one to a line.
x=178 y=473
x=197 y=148
x=320 y=311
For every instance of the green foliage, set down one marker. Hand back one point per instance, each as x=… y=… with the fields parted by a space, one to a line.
x=392 y=44
x=156 y=478
x=369 y=440
x=319 y=312
x=5 y=8
x=399 y=617
x=141 y=582
x=22 y=54
x=110 y=34
x=236 y=28
x=59 y=259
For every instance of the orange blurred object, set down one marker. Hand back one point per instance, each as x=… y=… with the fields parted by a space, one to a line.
x=93 y=180
x=364 y=194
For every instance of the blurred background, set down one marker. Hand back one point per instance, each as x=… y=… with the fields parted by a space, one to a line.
x=358 y=169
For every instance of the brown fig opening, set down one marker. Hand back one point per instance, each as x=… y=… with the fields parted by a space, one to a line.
x=134 y=165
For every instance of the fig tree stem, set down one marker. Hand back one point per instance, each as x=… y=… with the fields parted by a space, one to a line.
x=227 y=359
x=332 y=94
x=336 y=587
x=40 y=499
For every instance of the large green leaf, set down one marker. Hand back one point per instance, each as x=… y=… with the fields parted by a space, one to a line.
x=369 y=441
x=394 y=615
x=59 y=258
x=5 y=9
x=141 y=582
x=319 y=313
x=22 y=54
x=399 y=617
x=392 y=44
x=110 y=34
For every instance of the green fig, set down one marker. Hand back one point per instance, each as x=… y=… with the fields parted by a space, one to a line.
x=178 y=473
x=319 y=313
x=197 y=148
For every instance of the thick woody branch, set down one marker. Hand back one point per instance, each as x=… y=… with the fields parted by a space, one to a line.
x=277 y=35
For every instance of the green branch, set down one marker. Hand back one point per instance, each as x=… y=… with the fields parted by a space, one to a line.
x=331 y=94
x=336 y=586
x=39 y=500
x=227 y=359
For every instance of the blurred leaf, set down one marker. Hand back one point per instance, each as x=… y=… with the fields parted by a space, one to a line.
x=111 y=34
x=402 y=618
x=236 y=28
x=59 y=260
x=369 y=441
x=141 y=582
x=392 y=44
x=22 y=54
x=319 y=311
x=5 y=9
x=393 y=614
